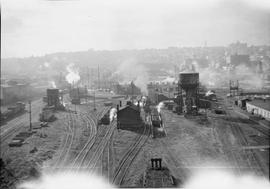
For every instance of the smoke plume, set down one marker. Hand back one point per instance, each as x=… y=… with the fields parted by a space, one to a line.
x=73 y=74
x=130 y=70
x=216 y=76
x=46 y=64
x=113 y=114
x=53 y=85
x=159 y=106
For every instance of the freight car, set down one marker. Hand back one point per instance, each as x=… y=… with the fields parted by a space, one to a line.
x=75 y=101
x=105 y=120
x=12 y=111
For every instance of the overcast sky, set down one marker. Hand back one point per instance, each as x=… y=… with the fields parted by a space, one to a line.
x=37 y=27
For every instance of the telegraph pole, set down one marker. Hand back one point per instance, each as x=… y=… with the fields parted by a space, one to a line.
x=30 y=118
x=88 y=77
x=94 y=100
x=98 y=78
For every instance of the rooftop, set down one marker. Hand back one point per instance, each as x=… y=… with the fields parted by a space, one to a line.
x=132 y=106
x=261 y=103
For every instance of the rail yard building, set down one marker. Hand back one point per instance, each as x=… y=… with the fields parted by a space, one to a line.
x=129 y=116
x=259 y=107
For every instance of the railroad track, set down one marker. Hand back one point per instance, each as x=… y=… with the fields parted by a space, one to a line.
x=103 y=112
x=16 y=126
x=106 y=160
x=251 y=157
x=80 y=162
x=81 y=156
x=69 y=138
x=129 y=156
x=101 y=144
x=261 y=129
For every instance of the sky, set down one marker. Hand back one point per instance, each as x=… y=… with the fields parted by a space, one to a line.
x=38 y=27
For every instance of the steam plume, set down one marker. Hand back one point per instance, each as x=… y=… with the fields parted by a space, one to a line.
x=73 y=74
x=53 y=85
x=159 y=106
x=46 y=64
x=130 y=70
x=112 y=114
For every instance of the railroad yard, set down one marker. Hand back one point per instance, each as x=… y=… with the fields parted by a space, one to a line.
x=77 y=142
x=156 y=94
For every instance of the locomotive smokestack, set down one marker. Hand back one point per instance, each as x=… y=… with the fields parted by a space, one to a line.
x=120 y=103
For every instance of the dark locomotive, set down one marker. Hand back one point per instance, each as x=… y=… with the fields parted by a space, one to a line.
x=156 y=118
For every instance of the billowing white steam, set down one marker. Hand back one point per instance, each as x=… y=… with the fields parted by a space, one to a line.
x=53 y=85
x=73 y=74
x=47 y=64
x=208 y=93
x=215 y=76
x=209 y=178
x=159 y=106
x=169 y=80
x=66 y=181
x=113 y=114
x=136 y=103
x=247 y=77
x=130 y=70
x=215 y=178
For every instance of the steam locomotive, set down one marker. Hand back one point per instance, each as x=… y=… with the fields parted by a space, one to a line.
x=156 y=118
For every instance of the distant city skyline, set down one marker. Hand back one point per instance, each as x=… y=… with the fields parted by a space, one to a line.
x=39 y=27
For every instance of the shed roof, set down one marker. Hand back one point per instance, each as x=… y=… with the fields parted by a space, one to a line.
x=260 y=103
x=136 y=108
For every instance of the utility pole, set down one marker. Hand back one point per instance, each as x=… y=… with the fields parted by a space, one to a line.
x=98 y=78
x=30 y=118
x=88 y=77
x=94 y=101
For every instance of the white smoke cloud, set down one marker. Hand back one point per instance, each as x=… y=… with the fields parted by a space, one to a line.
x=113 y=114
x=216 y=76
x=73 y=74
x=66 y=181
x=169 y=80
x=53 y=85
x=159 y=106
x=247 y=77
x=215 y=178
x=130 y=70
x=211 y=176
x=47 y=64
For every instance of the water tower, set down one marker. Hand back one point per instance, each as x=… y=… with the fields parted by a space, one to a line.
x=189 y=88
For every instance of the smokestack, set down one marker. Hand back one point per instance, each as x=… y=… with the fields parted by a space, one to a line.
x=117 y=108
x=120 y=103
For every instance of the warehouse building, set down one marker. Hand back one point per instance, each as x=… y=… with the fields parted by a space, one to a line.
x=259 y=107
